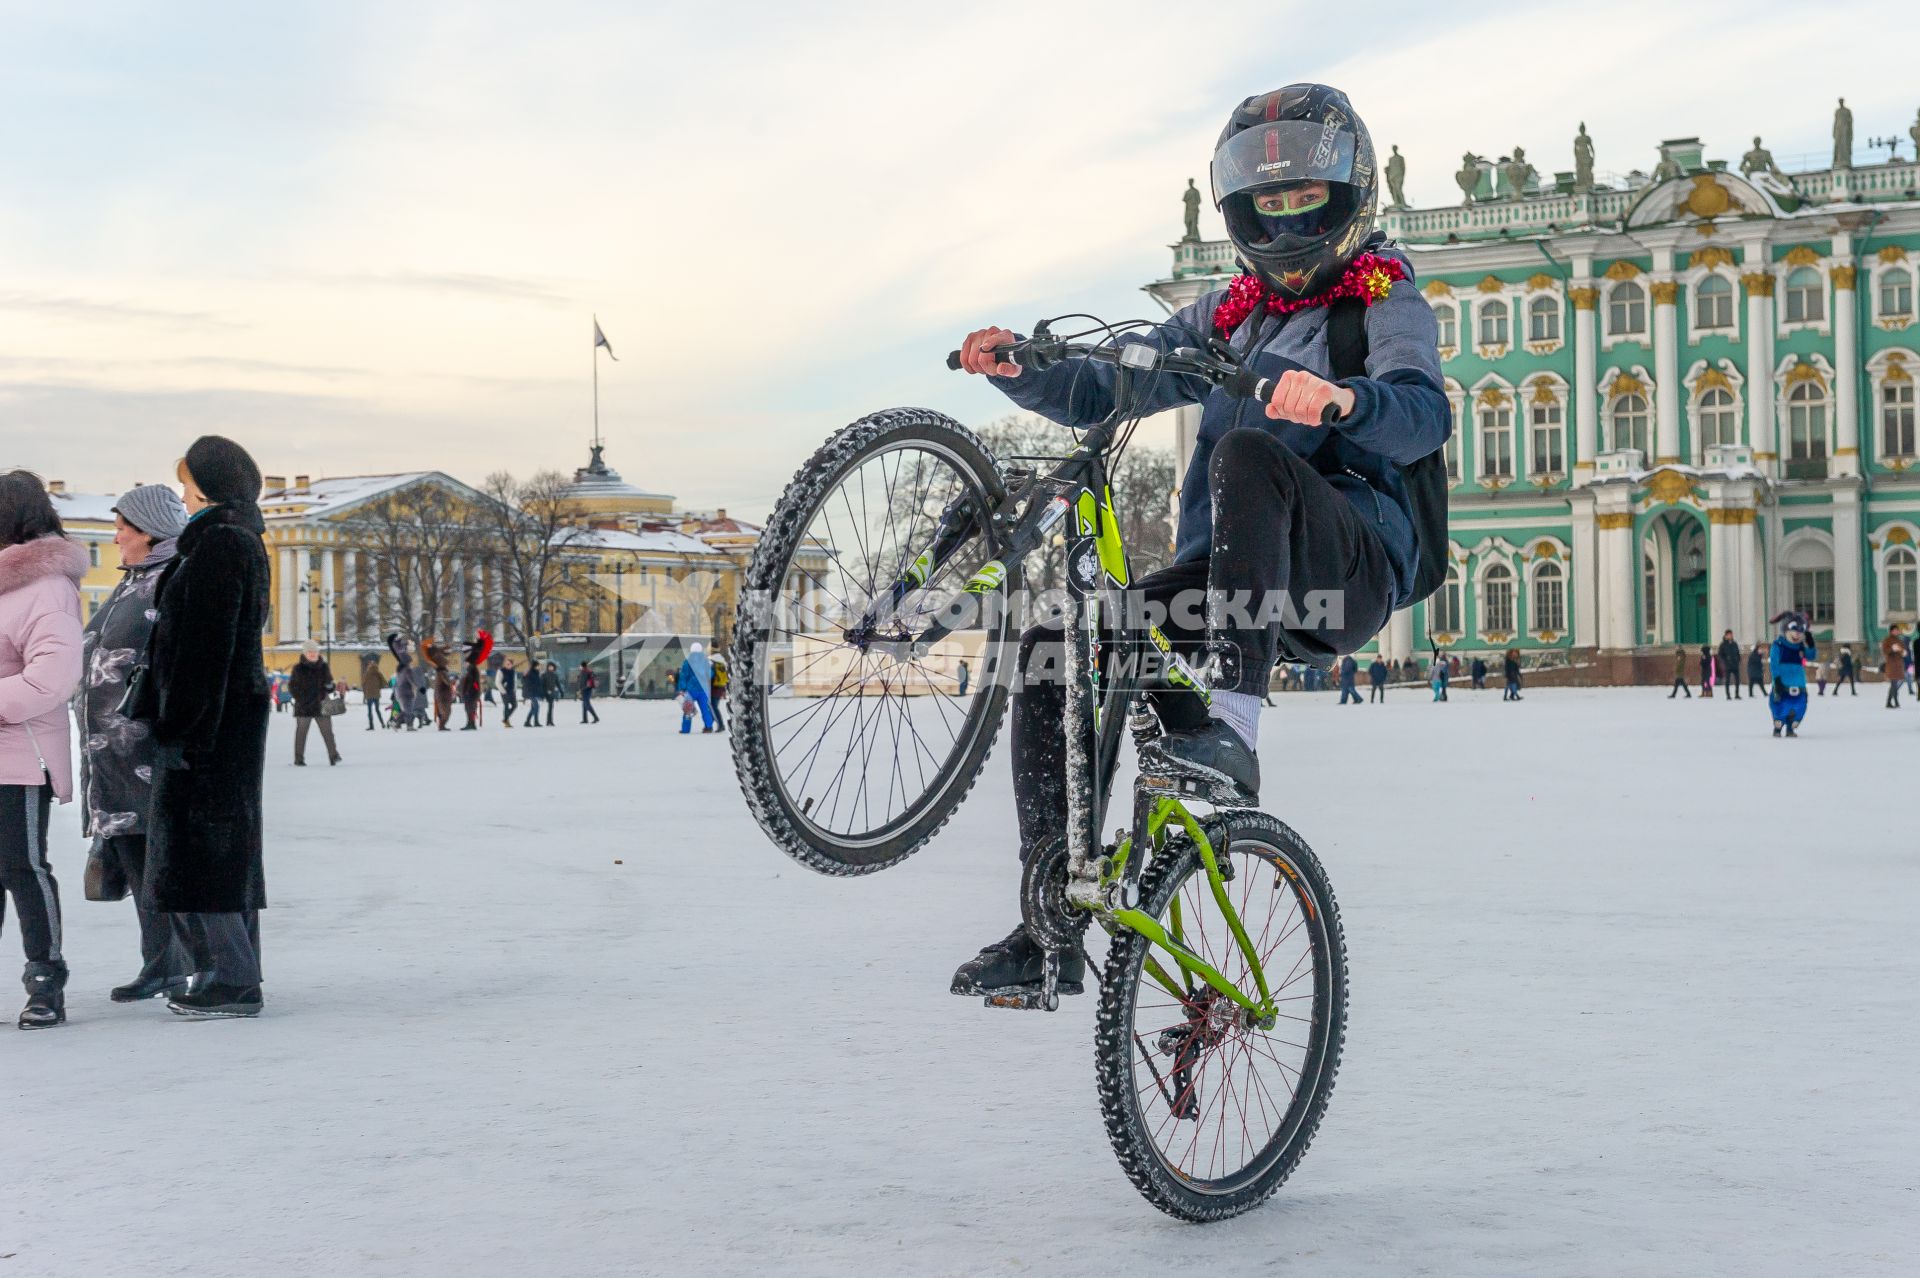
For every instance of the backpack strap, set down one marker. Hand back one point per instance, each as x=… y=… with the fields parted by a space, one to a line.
x=1347 y=337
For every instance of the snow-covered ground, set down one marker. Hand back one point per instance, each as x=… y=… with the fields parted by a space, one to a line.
x=1634 y=991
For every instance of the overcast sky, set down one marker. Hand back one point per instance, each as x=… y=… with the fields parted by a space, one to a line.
x=364 y=237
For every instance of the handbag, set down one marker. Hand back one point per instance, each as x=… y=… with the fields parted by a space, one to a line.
x=334 y=704
x=106 y=878
x=133 y=700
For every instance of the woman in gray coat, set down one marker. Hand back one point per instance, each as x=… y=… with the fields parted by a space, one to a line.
x=116 y=756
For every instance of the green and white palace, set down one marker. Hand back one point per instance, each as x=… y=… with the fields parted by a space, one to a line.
x=1682 y=403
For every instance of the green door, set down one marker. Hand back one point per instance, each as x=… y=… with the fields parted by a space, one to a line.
x=1690 y=611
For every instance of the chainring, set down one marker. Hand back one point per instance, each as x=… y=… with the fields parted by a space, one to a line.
x=1051 y=920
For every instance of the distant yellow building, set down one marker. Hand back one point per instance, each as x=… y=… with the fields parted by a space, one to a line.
x=88 y=518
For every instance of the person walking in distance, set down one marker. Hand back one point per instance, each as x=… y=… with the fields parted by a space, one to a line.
x=695 y=681
x=1680 y=675
x=372 y=683
x=1478 y=672
x=961 y=673
x=589 y=681
x=509 y=679
x=551 y=688
x=205 y=699
x=116 y=763
x=312 y=683
x=1349 y=675
x=40 y=665
x=1893 y=663
x=1378 y=672
x=1756 y=671
x=1706 y=671
x=717 y=691
x=1844 y=672
x=1728 y=657
x=1510 y=668
x=531 y=685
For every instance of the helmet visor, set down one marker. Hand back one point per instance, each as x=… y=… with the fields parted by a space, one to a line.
x=1283 y=151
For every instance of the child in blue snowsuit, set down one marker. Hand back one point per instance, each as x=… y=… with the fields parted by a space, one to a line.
x=1790 y=653
x=696 y=673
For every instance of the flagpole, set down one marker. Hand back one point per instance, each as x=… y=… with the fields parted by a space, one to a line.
x=596 y=381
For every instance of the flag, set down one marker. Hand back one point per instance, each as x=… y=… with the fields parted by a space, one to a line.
x=600 y=339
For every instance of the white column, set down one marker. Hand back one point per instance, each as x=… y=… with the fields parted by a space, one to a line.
x=1846 y=565
x=1846 y=368
x=1753 y=582
x=1397 y=643
x=1618 y=572
x=302 y=602
x=327 y=622
x=1586 y=577
x=348 y=605
x=1722 y=574
x=1586 y=405
x=289 y=587
x=1759 y=387
x=1666 y=372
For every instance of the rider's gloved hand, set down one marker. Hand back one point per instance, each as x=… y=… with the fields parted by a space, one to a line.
x=1301 y=397
x=974 y=357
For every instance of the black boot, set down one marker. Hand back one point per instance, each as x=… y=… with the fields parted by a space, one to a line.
x=1015 y=965
x=207 y=1001
x=46 y=996
x=1214 y=754
x=143 y=987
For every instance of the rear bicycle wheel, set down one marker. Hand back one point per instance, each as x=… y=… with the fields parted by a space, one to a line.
x=851 y=750
x=1208 y=1113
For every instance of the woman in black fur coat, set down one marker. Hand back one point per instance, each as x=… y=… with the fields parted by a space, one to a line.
x=206 y=698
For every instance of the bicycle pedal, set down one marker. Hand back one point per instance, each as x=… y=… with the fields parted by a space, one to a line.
x=1029 y=998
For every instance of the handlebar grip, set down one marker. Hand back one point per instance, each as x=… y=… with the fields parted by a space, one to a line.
x=953 y=360
x=1003 y=353
x=1330 y=414
x=1260 y=389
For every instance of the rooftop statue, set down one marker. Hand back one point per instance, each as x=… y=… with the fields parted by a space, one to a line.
x=1759 y=160
x=1518 y=173
x=1192 y=202
x=1582 y=160
x=1842 y=136
x=1397 y=179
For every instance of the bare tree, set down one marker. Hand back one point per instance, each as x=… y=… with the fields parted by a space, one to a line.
x=421 y=541
x=532 y=530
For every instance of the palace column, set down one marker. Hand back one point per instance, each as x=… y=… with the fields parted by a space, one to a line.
x=1586 y=579
x=326 y=593
x=1723 y=572
x=302 y=599
x=348 y=605
x=1846 y=562
x=288 y=587
x=1586 y=408
x=1753 y=612
x=1615 y=535
x=1759 y=371
x=1666 y=371
x=1397 y=643
x=1846 y=367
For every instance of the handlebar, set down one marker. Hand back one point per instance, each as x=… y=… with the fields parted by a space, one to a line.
x=1218 y=364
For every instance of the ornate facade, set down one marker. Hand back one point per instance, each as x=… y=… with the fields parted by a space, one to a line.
x=1681 y=404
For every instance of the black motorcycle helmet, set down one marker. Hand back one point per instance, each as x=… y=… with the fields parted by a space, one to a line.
x=1274 y=148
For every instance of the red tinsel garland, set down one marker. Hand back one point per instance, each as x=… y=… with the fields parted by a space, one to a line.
x=1370 y=277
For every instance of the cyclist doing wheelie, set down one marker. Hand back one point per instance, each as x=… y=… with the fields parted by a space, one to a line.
x=1300 y=537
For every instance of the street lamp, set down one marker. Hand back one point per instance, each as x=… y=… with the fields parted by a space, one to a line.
x=309 y=593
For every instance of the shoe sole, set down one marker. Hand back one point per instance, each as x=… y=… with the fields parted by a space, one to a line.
x=40 y=1025
x=1219 y=789
x=228 y=1013
x=165 y=991
x=1012 y=991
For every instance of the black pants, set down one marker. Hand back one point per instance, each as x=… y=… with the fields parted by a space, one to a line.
x=25 y=874
x=533 y=713
x=1377 y=692
x=1847 y=677
x=225 y=947
x=1756 y=687
x=165 y=940
x=373 y=712
x=587 y=713
x=1278 y=525
x=300 y=725
x=1680 y=686
x=550 y=701
x=507 y=704
x=1893 y=690
x=472 y=706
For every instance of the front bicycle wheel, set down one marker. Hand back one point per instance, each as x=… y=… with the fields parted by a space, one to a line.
x=1208 y=1112
x=852 y=746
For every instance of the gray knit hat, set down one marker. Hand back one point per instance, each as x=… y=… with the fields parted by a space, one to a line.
x=154 y=509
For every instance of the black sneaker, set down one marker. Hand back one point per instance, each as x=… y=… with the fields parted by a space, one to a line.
x=210 y=1001
x=46 y=996
x=1214 y=754
x=1015 y=965
x=142 y=988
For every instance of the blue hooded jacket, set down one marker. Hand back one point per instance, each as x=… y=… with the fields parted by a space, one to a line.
x=696 y=672
x=1400 y=412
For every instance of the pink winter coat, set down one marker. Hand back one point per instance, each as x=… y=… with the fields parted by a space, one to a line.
x=39 y=659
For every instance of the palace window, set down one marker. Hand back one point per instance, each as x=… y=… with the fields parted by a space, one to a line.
x=1452 y=455
x=1713 y=303
x=1719 y=423
x=1493 y=323
x=1627 y=310
x=1449 y=325
x=1443 y=617
x=1496 y=440
x=1548 y=436
x=1549 y=597
x=1543 y=319
x=1806 y=300
x=1632 y=422
x=1896 y=293
x=1496 y=600
x=1813 y=594
x=1896 y=419
x=1903 y=581
x=1807 y=423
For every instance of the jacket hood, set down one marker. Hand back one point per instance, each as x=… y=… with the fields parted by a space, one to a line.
x=28 y=562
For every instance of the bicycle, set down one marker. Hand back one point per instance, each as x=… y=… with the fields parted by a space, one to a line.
x=888 y=560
